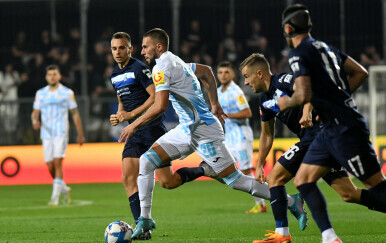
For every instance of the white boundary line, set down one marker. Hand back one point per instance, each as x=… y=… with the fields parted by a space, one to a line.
x=74 y=203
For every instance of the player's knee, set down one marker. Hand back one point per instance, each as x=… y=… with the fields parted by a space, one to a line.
x=298 y=181
x=128 y=180
x=149 y=161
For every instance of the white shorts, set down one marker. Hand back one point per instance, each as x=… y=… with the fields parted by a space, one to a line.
x=243 y=154
x=54 y=148
x=206 y=140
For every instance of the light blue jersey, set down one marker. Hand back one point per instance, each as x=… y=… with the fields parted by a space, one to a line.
x=54 y=107
x=232 y=100
x=173 y=74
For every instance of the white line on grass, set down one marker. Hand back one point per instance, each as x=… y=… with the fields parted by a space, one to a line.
x=74 y=203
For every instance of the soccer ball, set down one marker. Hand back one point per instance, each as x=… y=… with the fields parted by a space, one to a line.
x=118 y=232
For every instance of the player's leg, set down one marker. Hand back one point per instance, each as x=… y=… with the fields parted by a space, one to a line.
x=375 y=197
x=130 y=169
x=51 y=168
x=60 y=146
x=48 y=149
x=259 y=206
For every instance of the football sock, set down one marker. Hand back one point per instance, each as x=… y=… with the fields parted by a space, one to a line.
x=237 y=180
x=317 y=204
x=284 y=231
x=190 y=174
x=279 y=206
x=57 y=188
x=375 y=197
x=135 y=206
x=329 y=235
x=147 y=165
x=258 y=200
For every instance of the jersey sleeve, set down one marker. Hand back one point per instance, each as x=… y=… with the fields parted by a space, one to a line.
x=71 y=100
x=144 y=77
x=37 y=103
x=286 y=83
x=241 y=101
x=192 y=66
x=161 y=78
x=265 y=114
x=298 y=61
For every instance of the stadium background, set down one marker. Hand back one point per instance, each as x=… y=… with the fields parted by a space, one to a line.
x=75 y=34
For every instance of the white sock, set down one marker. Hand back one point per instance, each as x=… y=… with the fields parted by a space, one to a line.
x=258 y=200
x=145 y=193
x=237 y=180
x=283 y=231
x=329 y=235
x=57 y=188
x=291 y=200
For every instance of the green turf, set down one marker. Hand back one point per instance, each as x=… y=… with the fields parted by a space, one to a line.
x=201 y=211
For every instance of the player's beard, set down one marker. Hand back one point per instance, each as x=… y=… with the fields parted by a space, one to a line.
x=289 y=42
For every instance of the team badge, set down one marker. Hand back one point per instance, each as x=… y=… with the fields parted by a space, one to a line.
x=159 y=78
x=241 y=100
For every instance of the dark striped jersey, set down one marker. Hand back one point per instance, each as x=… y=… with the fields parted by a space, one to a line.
x=331 y=95
x=130 y=83
x=283 y=83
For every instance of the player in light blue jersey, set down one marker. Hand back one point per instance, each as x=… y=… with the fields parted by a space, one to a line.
x=52 y=103
x=199 y=130
x=238 y=132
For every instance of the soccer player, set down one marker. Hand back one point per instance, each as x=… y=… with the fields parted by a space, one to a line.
x=326 y=77
x=299 y=120
x=135 y=92
x=238 y=132
x=199 y=130
x=53 y=103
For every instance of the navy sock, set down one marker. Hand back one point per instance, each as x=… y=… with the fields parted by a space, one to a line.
x=375 y=197
x=317 y=204
x=190 y=174
x=279 y=204
x=135 y=206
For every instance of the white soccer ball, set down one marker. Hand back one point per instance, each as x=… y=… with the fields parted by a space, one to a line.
x=118 y=232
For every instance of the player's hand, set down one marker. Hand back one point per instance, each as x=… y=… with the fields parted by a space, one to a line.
x=36 y=125
x=259 y=175
x=127 y=133
x=306 y=120
x=114 y=119
x=123 y=116
x=80 y=140
x=218 y=112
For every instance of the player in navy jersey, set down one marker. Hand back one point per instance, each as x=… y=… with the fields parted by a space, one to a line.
x=135 y=92
x=301 y=121
x=326 y=77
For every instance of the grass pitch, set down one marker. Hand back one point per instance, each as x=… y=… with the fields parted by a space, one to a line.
x=200 y=211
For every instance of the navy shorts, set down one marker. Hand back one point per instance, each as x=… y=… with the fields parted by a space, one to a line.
x=349 y=148
x=292 y=159
x=142 y=140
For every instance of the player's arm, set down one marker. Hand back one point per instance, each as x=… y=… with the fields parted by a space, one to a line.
x=205 y=74
x=78 y=124
x=125 y=116
x=160 y=106
x=35 y=119
x=356 y=72
x=245 y=113
x=306 y=119
x=113 y=117
x=302 y=94
x=265 y=145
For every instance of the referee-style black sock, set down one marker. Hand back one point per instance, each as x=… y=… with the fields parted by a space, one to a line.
x=190 y=174
x=135 y=206
x=317 y=204
x=375 y=198
x=279 y=203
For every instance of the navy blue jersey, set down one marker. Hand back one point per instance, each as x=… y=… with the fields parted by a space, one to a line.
x=130 y=83
x=283 y=82
x=331 y=95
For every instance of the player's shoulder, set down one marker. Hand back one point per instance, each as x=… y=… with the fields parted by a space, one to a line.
x=65 y=89
x=139 y=64
x=234 y=88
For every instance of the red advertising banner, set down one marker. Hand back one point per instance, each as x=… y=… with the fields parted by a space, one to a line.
x=101 y=162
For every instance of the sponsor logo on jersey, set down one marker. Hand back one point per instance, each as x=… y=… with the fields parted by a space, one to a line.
x=241 y=100
x=159 y=78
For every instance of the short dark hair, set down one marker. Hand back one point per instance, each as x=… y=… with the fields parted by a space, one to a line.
x=158 y=35
x=52 y=67
x=122 y=35
x=298 y=17
x=256 y=59
x=225 y=64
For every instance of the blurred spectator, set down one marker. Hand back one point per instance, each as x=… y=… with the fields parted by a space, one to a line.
x=45 y=44
x=36 y=77
x=229 y=49
x=194 y=39
x=370 y=56
x=9 y=81
x=256 y=41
